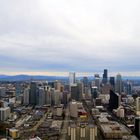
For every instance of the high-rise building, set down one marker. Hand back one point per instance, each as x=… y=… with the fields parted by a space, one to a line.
x=41 y=96
x=56 y=97
x=48 y=95
x=26 y=96
x=73 y=109
x=2 y=91
x=112 y=83
x=119 y=84
x=65 y=98
x=94 y=92
x=114 y=101
x=105 y=77
x=80 y=90
x=4 y=113
x=72 y=78
x=137 y=127
x=18 y=88
x=57 y=85
x=77 y=91
x=129 y=88
x=138 y=106
x=97 y=81
x=85 y=81
x=74 y=92
x=33 y=96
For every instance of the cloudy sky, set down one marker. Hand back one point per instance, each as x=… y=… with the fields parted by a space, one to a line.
x=50 y=36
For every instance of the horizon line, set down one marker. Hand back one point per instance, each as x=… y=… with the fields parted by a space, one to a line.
x=78 y=74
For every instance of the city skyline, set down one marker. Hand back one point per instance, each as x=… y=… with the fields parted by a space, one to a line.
x=55 y=37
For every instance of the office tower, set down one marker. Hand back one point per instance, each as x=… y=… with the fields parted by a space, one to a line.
x=137 y=127
x=74 y=92
x=129 y=88
x=85 y=81
x=77 y=91
x=119 y=84
x=65 y=98
x=33 y=96
x=73 y=109
x=26 y=96
x=56 y=97
x=48 y=96
x=94 y=92
x=80 y=90
x=105 y=77
x=87 y=91
x=97 y=81
x=41 y=96
x=4 y=113
x=2 y=91
x=114 y=101
x=112 y=83
x=72 y=78
x=138 y=106
x=57 y=85
x=18 y=88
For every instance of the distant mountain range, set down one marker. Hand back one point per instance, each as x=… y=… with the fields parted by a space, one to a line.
x=48 y=78
x=30 y=77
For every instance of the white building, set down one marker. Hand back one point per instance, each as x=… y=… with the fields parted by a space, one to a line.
x=97 y=81
x=4 y=113
x=72 y=78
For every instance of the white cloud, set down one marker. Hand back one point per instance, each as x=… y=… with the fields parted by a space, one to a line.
x=75 y=35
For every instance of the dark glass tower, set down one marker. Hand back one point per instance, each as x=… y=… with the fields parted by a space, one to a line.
x=112 y=83
x=105 y=76
x=114 y=101
x=33 y=93
x=137 y=127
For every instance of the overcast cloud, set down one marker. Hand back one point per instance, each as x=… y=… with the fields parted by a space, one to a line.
x=69 y=35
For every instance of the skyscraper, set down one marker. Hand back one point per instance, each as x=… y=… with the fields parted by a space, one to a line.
x=41 y=96
x=119 y=84
x=72 y=79
x=137 y=127
x=97 y=81
x=74 y=92
x=114 y=101
x=94 y=92
x=4 y=113
x=105 y=76
x=85 y=81
x=18 y=88
x=57 y=85
x=112 y=83
x=26 y=96
x=33 y=93
x=129 y=88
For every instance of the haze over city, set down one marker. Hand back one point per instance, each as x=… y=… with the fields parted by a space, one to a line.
x=69 y=70
x=54 y=37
